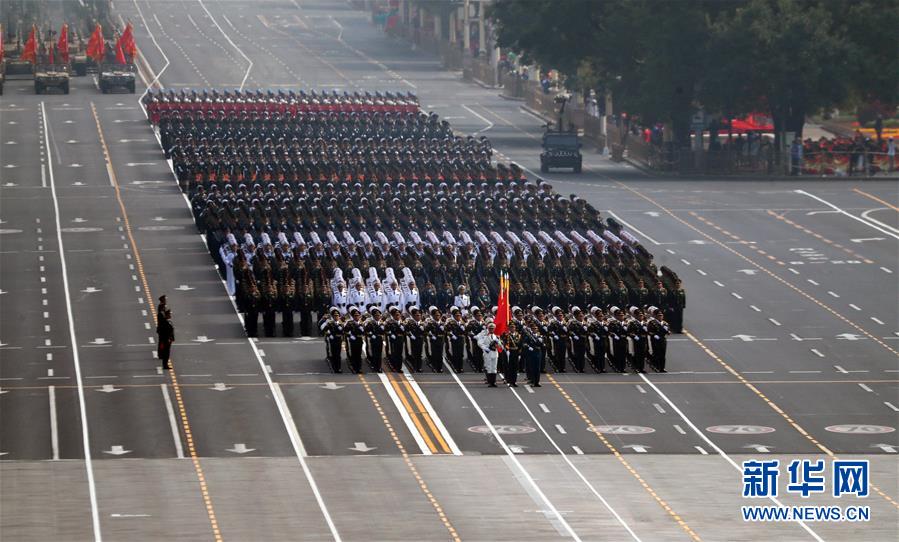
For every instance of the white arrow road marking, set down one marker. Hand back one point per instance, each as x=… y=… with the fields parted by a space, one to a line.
x=517 y=448
x=100 y=341
x=220 y=386
x=203 y=339
x=91 y=290
x=362 y=447
x=888 y=448
x=108 y=388
x=240 y=448
x=159 y=219
x=639 y=448
x=849 y=337
x=761 y=448
x=331 y=386
x=78 y=220
x=747 y=271
x=117 y=450
x=184 y=288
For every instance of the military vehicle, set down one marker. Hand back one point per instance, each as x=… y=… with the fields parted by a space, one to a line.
x=47 y=76
x=80 y=64
x=561 y=149
x=117 y=76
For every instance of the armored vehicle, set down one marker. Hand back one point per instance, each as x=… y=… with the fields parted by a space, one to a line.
x=560 y=149
x=116 y=76
x=47 y=76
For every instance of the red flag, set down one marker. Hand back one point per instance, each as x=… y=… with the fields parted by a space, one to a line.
x=63 y=44
x=502 y=305
x=96 y=48
x=29 y=52
x=119 y=55
x=127 y=41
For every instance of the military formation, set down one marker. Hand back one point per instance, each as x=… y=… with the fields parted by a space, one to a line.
x=366 y=220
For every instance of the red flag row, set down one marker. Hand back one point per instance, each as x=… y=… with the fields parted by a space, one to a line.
x=125 y=47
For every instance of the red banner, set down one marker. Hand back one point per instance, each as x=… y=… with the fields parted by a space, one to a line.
x=63 y=44
x=29 y=52
x=96 y=47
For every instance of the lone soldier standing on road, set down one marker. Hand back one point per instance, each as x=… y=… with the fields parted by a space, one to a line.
x=166 y=332
x=161 y=308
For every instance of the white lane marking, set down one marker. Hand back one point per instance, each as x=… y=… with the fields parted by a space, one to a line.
x=155 y=80
x=854 y=306
x=659 y=408
x=176 y=435
x=816 y=352
x=416 y=434
x=813 y=282
x=840 y=369
x=511 y=455
x=679 y=429
x=886 y=270
x=475 y=113
x=249 y=66
x=685 y=261
x=561 y=429
x=640 y=389
x=82 y=407
x=879 y=223
x=564 y=458
x=756 y=309
x=864 y=221
x=54 y=432
x=804 y=372
x=793 y=270
x=651 y=240
x=544 y=408
x=832 y=293
x=701 y=272
x=773 y=321
x=718 y=450
x=892 y=406
x=450 y=442
x=877 y=321
x=718 y=283
x=577 y=450
x=865 y=387
x=735 y=294
x=669 y=251
x=701 y=450
x=529 y=388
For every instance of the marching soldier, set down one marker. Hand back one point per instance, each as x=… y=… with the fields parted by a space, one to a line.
x=658 y=332
x=415 y=337
x=577 y=331
x=396 y=339
x=558 y=331
x=287 y=297
x=532 y=347
x=490 y=345
x=354 y=333
x=269 y=305
x=618 y=340
x=252 y=301
x=599 y=338
x=677 y=301
x=472 y=329
x=332 y=329
x=512 y=340
x=636 y=330
x=304 y=300
x=455 y=344
x=436 y=335
x=374 y=339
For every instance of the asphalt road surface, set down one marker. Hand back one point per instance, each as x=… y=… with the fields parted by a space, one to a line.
x=790 y=351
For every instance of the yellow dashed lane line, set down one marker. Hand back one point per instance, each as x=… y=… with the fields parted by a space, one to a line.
x=624 y=461
x=408 y=460
x=734 y=372
x=820 y=237
x=182 y=411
